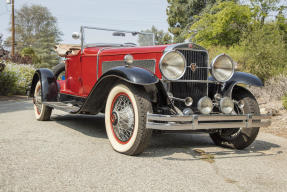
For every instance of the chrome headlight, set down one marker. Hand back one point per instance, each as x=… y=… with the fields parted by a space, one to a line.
x=172 y=65
x=222 y=68
x=205 y=105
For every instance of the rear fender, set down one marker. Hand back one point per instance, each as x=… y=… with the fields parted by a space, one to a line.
x=49 y=84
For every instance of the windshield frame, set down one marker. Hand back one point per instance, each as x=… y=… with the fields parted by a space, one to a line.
x=83 y=45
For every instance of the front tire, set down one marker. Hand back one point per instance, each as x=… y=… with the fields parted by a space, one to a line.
x=42 y=112
x=125 y=119
x=243 y=137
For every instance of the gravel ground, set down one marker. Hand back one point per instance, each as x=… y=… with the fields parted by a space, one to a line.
x=72 y=153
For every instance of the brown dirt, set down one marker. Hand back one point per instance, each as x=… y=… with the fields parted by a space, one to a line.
x=269 y=99
x=279 y=118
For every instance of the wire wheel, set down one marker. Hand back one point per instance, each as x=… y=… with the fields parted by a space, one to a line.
x=125 y=119
x=122 y=117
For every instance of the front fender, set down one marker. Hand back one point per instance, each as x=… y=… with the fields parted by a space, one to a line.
x=134 y=75
x=139 y=77
x=48 y=84
x=239 y=78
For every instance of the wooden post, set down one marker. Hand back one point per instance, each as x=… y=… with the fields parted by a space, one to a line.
x=13 y=30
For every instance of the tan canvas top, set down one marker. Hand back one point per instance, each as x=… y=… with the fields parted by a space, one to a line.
x=67 y=49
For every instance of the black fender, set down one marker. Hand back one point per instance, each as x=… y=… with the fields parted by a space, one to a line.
x=141 y=78
x=134 y=75
x=48 y=84
x=239 y=78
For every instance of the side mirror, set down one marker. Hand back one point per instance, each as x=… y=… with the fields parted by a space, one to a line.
x=76 y=35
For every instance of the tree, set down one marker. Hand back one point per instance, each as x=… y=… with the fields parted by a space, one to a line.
x=222 y=25
x=160 y=36
x=181 y=14
x=282 y=23
x=36 y=28
x=263 y=8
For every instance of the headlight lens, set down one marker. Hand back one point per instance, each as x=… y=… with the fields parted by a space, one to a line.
x=222 y=68
x=226 y=105
x=205 y=105
x=172 y=65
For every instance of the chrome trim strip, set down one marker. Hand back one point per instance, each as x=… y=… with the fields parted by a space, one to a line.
x=192 y=81
x=196 y=122
x=98 y=59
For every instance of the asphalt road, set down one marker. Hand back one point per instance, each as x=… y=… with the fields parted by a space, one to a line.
x=72 y=153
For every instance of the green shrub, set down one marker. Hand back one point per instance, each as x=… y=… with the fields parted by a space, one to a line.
x=264 y=50
x=284 y=101
x=8 y=85
x=15 y=79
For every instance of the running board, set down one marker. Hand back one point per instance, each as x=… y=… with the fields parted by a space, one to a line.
x=67 y=107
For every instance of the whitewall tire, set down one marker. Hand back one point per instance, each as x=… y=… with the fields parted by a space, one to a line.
x=125 y=119
x=42 y=112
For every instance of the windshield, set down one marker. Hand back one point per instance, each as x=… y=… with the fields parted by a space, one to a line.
x=94 y=36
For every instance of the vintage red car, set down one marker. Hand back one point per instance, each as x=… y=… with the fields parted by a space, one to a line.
x=142 y=87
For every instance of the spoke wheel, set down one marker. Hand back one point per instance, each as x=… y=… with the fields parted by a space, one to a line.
x=125 y=119
x=42 y=112
x=122 y=118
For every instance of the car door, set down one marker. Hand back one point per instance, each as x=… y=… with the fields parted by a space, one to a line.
x=74 y=84
x=89 y=71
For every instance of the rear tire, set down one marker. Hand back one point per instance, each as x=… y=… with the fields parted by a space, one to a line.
x=243 y=137
x=42 y=112
x=125 y=119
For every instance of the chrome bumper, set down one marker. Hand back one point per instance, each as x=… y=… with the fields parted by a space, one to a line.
x=204 y=122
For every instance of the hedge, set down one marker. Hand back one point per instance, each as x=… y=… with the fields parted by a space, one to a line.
x=15 y=79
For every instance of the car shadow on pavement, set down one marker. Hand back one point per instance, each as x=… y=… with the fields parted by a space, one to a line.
x=168 y=146
x=189 y=147
x=90 y=125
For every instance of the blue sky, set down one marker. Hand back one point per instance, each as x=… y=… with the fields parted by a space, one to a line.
x=119 y=14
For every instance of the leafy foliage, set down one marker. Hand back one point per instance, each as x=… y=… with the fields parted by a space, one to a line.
x=8 y=81
x=182 y=13
x=15 y=78
x=262 y=8
x=29 y=52
x=223 y=25
x=37 y=28
x=265 y=51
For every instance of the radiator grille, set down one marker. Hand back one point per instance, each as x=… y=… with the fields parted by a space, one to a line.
x=146 y=64
x=187 y=89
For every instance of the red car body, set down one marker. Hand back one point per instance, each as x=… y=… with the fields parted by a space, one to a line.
x=81 y=70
